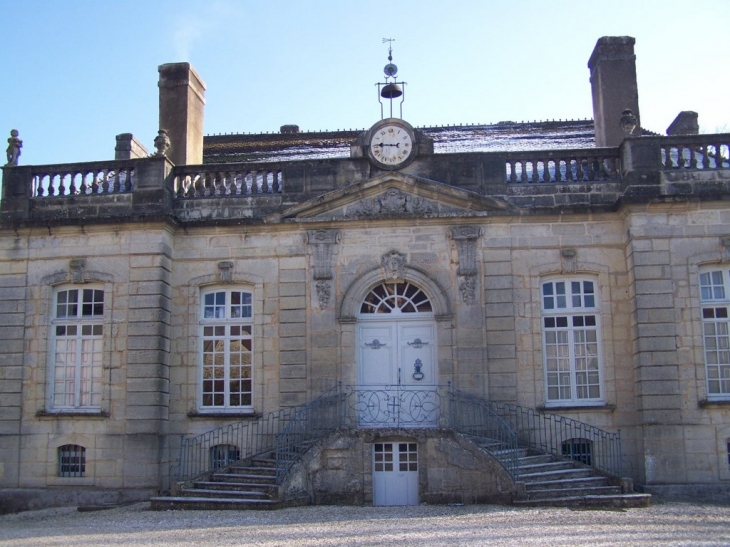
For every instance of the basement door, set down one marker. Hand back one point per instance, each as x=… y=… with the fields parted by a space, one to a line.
x=395 y=473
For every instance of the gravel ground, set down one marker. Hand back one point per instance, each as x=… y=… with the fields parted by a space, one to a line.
x=670 y=523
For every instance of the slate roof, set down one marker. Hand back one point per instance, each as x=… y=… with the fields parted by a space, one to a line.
x=502 y=136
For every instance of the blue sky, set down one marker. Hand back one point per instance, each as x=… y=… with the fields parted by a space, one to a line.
x=78 y=72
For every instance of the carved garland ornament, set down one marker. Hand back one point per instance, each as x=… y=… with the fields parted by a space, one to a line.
x=392 y=202
x=322 y=243
x=465 y=238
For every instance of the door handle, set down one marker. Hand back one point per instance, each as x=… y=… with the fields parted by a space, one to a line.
x=418 y=375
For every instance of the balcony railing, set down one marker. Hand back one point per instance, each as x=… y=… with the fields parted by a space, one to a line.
x=696 y=152
x=563 y=166
x=222 y=180
x=73 y=179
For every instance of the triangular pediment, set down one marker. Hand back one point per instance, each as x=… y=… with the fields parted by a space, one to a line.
x=396 y=195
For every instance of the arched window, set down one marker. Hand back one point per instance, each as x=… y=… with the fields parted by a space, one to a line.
x=395 y=298
x=71 y=460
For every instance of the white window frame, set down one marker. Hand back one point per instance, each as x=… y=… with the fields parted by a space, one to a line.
x=572 y=350
x=714 y=285
x=226 y=334
x=75 y=382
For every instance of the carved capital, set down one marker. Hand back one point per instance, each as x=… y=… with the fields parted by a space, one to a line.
x=77 y=267
x=394 y=265
x=225 y=271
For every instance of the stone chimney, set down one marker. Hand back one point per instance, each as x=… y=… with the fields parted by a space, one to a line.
x=129 y=148
x=613 y=84
x=684 y=124
x=182 y=103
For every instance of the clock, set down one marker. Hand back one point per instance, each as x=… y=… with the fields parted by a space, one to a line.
x=391 y=144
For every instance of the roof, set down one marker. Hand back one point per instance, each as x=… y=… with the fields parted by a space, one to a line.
x=502 y=136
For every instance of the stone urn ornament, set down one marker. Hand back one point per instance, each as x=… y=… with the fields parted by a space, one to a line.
x=628 y=122
x=162 y=142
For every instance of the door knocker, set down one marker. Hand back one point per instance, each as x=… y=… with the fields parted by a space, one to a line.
x=418 y=375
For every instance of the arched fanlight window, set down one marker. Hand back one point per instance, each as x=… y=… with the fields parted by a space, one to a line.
x=401 y=297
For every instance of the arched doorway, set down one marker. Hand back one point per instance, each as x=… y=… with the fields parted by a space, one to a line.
x=396 y=357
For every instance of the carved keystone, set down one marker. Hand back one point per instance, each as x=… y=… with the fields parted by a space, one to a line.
x=77 y=266
x=568 y=260
x=394 y=264
x=225 y=270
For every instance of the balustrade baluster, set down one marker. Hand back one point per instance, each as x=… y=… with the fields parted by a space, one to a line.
x=83 y=187
x=558 y=174
x=614 y=163
x=117 y=184
x=546 y=171
x=579 y=172
x=667 y=157
x=269 y=182
x=718 y=156
x=279 y=182
x=62 y=184
x=705 y=151
x=39 y=189
x=197 y=186
x=692 y=157
x=72 y=183
x=680 y=156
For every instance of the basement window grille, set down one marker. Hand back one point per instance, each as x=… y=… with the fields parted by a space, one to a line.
x=579 y=450
x=71 y=460
x=222 y=455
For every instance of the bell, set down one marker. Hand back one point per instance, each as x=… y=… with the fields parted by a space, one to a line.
x=391 y=91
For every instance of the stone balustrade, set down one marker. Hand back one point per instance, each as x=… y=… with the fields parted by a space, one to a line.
x=563 y=166
x=201 y=181
x=696 y=152
x=70 y=179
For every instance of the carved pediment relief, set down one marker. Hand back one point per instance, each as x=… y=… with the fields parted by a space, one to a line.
x=395 y=195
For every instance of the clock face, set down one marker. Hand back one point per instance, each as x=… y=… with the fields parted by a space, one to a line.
x=391 y=145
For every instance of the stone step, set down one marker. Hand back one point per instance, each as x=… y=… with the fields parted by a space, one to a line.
x=573 y=492
x=544 y=467
x=252 y=470
x=617 y=500
x=580 y=482
x=240 y=477
x=218 y=493
x=237 y=486
x=207 y=504
x=558 y=474
x=539 y=458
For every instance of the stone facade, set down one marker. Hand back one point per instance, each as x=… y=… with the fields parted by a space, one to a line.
x=479 y=233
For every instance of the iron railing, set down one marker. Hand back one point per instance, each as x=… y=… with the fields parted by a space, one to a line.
x=564 y=437
x=394 y=406
x=499 y=428
x=245 y=439
x=474 y=418
x=307 y=424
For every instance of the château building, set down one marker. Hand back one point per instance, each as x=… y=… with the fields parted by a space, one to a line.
x=515 y=313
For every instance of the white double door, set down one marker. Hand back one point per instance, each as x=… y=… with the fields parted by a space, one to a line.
x=397 y=373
